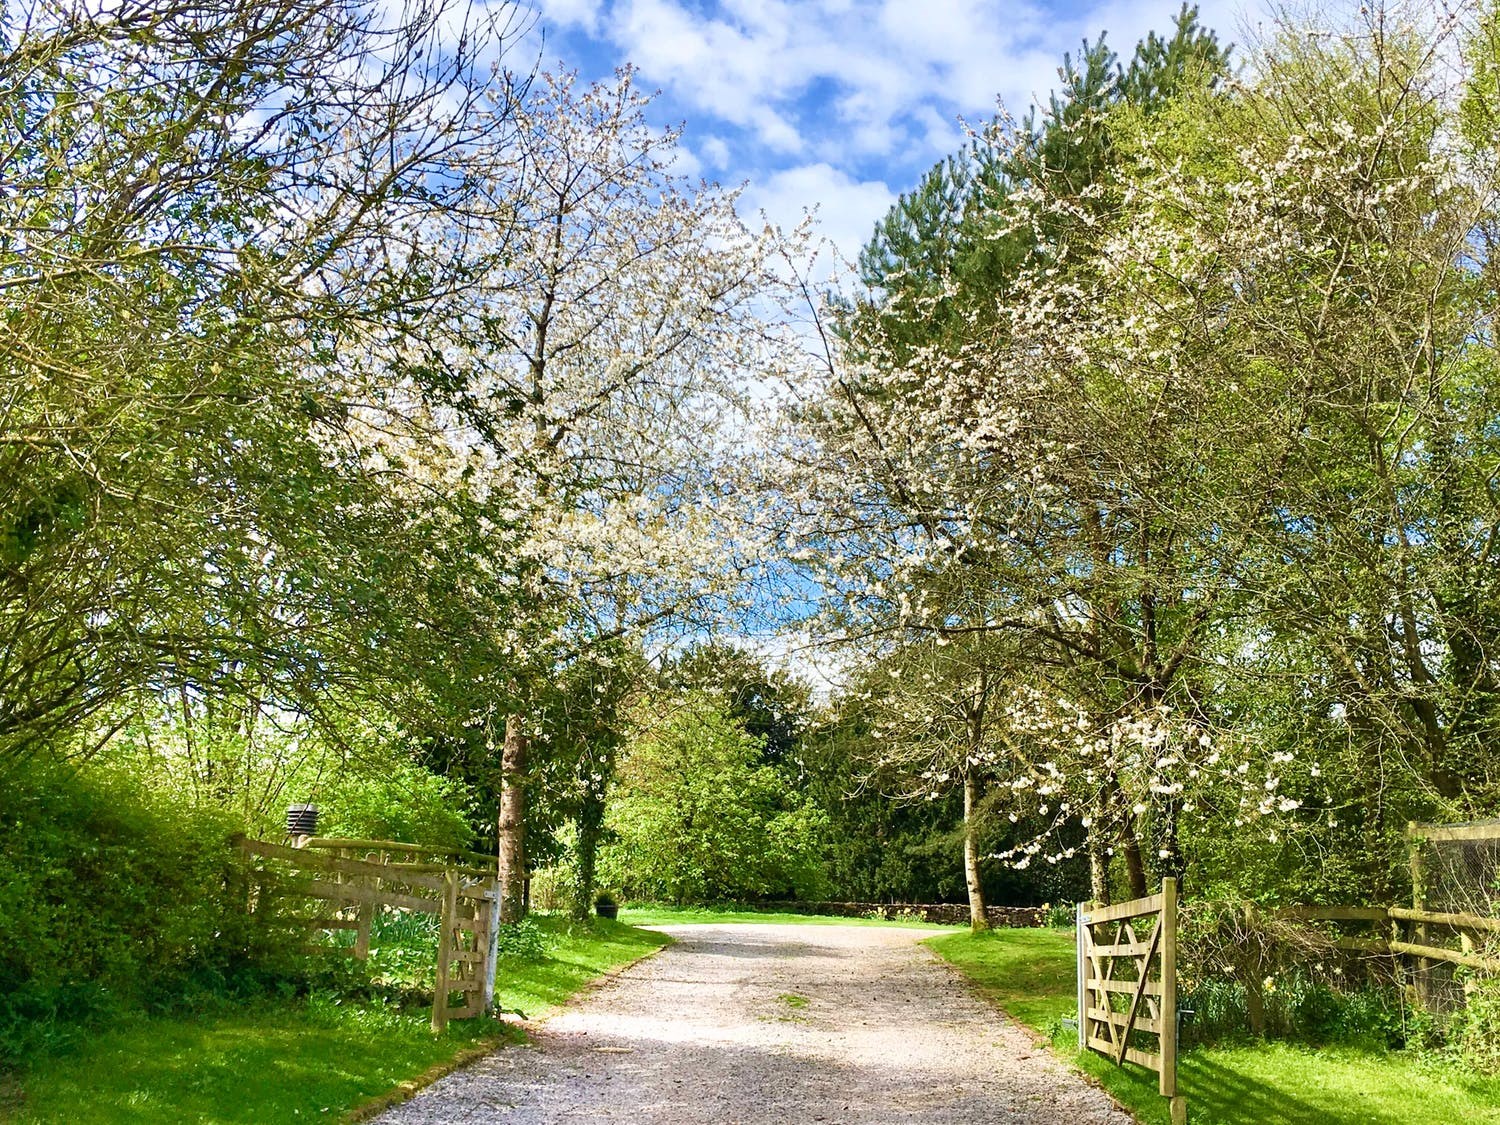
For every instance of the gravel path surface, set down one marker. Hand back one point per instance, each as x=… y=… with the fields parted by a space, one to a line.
x=772 y=1025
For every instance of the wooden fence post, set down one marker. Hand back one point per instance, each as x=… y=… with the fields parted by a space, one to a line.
x=366 y=917
x=1168 y=1009
x=449 y=918
x=1422 y=971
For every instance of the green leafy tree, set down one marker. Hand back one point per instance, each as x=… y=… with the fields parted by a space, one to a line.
x=220 y=226
x=697 y=817
x=982 y=498
x=773 y=706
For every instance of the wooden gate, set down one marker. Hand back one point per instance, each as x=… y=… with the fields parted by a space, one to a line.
x=465 y=899
x=1127 y=986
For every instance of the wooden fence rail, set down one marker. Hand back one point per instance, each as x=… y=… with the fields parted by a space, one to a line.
x=1389 y=918
x=1112 y=1007
x=465 y=899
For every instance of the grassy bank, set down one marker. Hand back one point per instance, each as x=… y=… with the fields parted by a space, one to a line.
x=652 y=915
x=318 y=1057
x=1030 y=974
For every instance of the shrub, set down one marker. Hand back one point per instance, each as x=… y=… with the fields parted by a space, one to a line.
x=1249 y=972
x=403 y=950
x=1061 y=914
x=110 y=900
x=523 y=940
x=552 y=889
x=401 y=802
x=1474 y=1030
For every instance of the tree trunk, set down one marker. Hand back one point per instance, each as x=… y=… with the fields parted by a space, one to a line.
x=1098 y=868
x=1172 y=865
x=512 y=824
x=1135 y=863
x=979 y=921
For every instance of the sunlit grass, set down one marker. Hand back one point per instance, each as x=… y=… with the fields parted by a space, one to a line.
x=293 y=1061
x=261 y=1063
x=1030 y=973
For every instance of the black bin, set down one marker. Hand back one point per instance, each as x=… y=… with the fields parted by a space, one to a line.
x=302 y=820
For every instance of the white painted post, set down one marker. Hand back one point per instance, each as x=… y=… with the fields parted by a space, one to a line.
x=1081 y=940
x=492 y=950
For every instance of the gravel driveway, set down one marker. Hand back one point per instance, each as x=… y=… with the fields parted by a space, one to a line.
x=772 y=1025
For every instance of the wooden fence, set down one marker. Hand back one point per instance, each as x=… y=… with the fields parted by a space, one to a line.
x=356 y=878
x=1397 y=920
x=1127 y=986
x=1428 y=939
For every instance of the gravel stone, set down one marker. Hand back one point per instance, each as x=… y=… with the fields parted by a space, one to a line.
x=773 y=1025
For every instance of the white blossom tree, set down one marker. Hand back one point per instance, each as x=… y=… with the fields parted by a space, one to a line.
x=603 y=373
x=1220 y=404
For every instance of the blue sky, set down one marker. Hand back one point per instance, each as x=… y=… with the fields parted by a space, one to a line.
x=839 y=104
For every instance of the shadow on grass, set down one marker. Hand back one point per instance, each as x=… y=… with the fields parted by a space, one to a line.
x=538 y=987
x=1218 y=1093
x=1222 y=1095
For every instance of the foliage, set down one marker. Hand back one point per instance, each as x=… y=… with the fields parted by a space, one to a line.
x=523 y=941
x=359 y=774
x=1473 y=1031
x=649 y=914
x=895 y=838
x=986 y=570
x=208 y=454
x=1061 y=914
x=602 y=366
x=114 y=900
x=773 y=706
x=697 y=817
x=403 y=955
x=1197 y=469
x=403 y=802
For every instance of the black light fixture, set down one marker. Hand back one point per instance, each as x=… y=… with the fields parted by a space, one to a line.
x=301 y=820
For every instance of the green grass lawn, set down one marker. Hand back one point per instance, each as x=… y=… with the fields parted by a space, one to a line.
x=267 y=1063
x=653 y=915
x=1030 y=974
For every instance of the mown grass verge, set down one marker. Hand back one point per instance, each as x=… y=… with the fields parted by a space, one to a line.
x=1030 y=974
x=318 y=1057
x=649 y=914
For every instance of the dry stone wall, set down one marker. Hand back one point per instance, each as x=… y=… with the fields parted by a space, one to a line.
x=944 y=913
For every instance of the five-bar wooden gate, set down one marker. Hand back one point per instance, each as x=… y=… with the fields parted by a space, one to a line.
x=392 y=876
x=1127 y=986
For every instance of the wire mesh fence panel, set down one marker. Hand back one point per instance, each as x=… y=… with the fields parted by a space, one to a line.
x=1455 y=870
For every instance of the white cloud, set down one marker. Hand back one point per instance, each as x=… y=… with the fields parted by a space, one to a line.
x=788 y=70
x=580 y=14
x=728 y=70
x=715 y=152
x=832 y=101
x=847 y=209
x=686 y=162
x=852 y=72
